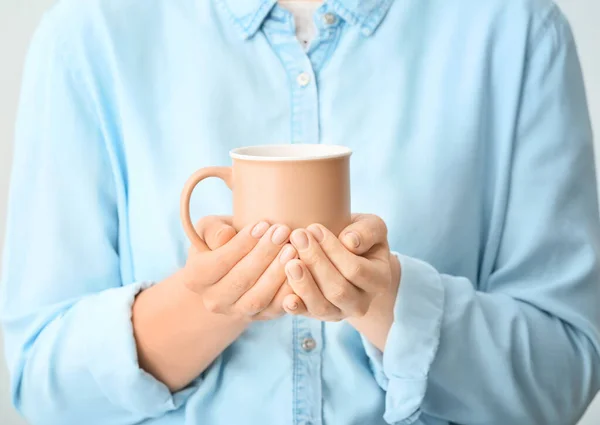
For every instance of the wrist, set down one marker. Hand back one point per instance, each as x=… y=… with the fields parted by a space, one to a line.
x=376 y=324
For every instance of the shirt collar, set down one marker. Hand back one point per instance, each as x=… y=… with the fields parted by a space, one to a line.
x=249 y=15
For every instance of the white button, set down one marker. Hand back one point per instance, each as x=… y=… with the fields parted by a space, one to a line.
x=308 y=344
x=329 y=18
x=303 y=79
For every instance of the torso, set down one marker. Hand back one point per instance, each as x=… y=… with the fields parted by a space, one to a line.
x=413 y=101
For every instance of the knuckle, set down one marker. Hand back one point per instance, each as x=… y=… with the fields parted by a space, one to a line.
x=356 y=272
x=206 y=222
x=310 y=257
x=221 y=263
x=214 y=306
x=358 y=217
x=254 y=306
x=380 y=225
x=222 y=233
x=239 y=284
x=339 y=294
x=267 y=249
x=201 y=224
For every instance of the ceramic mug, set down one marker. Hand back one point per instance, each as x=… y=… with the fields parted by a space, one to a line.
x=295 y=184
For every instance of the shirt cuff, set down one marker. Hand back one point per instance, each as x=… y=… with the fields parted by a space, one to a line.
x=402 y=370
x=112 y=355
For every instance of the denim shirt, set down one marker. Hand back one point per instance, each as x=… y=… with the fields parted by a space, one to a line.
x=471 y=139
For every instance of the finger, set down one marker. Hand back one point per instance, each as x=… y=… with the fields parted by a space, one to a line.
x=293 y=304
x=215 y=231
x=262 y=294
x=212 y=266
x=247 y=271
x=365 y=232
x=334 y=286
x=366 y=274
x=275 y=309
x=305 y=287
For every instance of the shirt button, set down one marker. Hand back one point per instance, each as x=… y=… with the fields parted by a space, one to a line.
x=303 y=79
x=329 y=18
x=308 y=344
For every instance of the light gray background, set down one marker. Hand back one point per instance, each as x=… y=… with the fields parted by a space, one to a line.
x=18 y=19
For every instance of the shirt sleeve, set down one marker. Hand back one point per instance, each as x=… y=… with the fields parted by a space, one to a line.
x=520 y=346
x=65 y=311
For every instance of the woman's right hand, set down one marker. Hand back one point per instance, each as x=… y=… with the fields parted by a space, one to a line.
x=244 y=276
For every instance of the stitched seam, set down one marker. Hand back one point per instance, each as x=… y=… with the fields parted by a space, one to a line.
x=325 y=57
x=245 y=28
x=370 y=21
x=353 y=15
x=258 y=13
x=232 y=17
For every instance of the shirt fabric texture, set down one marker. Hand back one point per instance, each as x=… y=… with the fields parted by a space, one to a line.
x=471 y=139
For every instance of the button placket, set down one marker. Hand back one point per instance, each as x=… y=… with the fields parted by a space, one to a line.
x=298 y=67
x=303 y=79
x=329 y=27
x=302 y=72
x=309 y=342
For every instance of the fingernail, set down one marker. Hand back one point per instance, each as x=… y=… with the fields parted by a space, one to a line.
x=280 y=235
x=295 y=271
x=300 y=239
x=292 y=306
x=351 y=240
x=287 y=254
x=316 y=231
x=260 y=229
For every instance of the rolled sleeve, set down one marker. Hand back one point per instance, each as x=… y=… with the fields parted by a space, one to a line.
x=412 y=341
x=518 y=343
x=113 y=358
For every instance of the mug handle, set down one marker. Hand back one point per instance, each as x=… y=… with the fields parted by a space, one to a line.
x=223 y=173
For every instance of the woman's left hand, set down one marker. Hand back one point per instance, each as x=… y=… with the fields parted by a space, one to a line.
x=336 y=279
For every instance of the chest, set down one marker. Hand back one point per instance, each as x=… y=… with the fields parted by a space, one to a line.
x=416 y=111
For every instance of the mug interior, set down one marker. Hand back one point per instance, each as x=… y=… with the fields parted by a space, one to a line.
x=290 y=152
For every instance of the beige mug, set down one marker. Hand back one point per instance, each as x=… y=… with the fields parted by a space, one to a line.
x=296 y=185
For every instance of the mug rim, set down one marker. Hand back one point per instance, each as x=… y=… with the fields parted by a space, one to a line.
x=331 y=152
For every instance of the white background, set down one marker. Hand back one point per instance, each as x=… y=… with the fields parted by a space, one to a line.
x=18 y=19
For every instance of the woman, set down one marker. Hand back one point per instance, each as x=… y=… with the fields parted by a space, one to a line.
x=472 y=154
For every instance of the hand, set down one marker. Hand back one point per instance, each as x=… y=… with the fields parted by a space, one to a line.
x=335 y=279
x=240 y=275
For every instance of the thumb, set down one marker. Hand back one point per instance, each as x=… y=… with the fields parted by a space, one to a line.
x=216 y=231
x=365 y=232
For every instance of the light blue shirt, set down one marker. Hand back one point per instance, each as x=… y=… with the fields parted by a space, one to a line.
x=471 y=139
